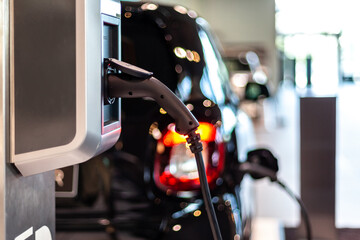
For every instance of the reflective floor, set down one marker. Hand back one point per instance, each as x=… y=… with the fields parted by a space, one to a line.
x=278 y=129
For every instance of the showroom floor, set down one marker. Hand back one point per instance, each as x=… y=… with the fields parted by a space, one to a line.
x=279 y=131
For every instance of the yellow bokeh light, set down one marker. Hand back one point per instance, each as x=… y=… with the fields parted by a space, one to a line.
x=176 y=228
x=128 y=15
x=180 y=52
x=196 y=56
x=149 y=6
x=207 y=103
x=190 y=106
x=180 y=9
x=197 y=213
x=189 y=55
x=162 y=111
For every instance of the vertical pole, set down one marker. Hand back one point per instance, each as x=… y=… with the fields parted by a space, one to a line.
x=308 y=70
x=318 y=155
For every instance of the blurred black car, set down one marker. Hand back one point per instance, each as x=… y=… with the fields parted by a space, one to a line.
x=147 y=186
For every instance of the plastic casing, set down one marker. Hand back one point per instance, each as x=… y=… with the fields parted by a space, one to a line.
x=56 y=89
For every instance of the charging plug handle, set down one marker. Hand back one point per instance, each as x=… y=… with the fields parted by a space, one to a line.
x=128 y=69
x=134 y=82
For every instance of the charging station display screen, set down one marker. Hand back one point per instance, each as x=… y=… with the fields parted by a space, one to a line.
x=111 y=40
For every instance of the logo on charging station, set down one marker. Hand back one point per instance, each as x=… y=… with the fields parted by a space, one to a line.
x=42 y=233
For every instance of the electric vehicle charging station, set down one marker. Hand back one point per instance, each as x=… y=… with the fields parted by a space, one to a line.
x=53 y=109
x=59 y=114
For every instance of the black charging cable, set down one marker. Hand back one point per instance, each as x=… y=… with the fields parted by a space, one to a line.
x=304 y=212
x=127 y=81
x=253 y=168
x=196 y=147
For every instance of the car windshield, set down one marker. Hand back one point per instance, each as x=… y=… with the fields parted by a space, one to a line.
x=212 y=71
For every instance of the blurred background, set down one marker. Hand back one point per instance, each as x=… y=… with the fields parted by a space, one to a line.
x=300 y=46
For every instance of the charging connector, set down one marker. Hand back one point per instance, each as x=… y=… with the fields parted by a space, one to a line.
x=258 y=171
x=134 y=82
x=128 y=81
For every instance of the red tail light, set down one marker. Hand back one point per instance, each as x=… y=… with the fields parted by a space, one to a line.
x=175 y=165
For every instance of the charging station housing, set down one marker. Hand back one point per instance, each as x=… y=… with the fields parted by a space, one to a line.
x=59 y=115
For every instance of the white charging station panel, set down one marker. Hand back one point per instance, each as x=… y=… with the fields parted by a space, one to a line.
x=59 y=115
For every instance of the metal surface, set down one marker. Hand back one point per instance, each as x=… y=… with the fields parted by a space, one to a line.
x=44 y=74
x=4 y=54
x=111 y=7
x=26 y=204
x=30 y=203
